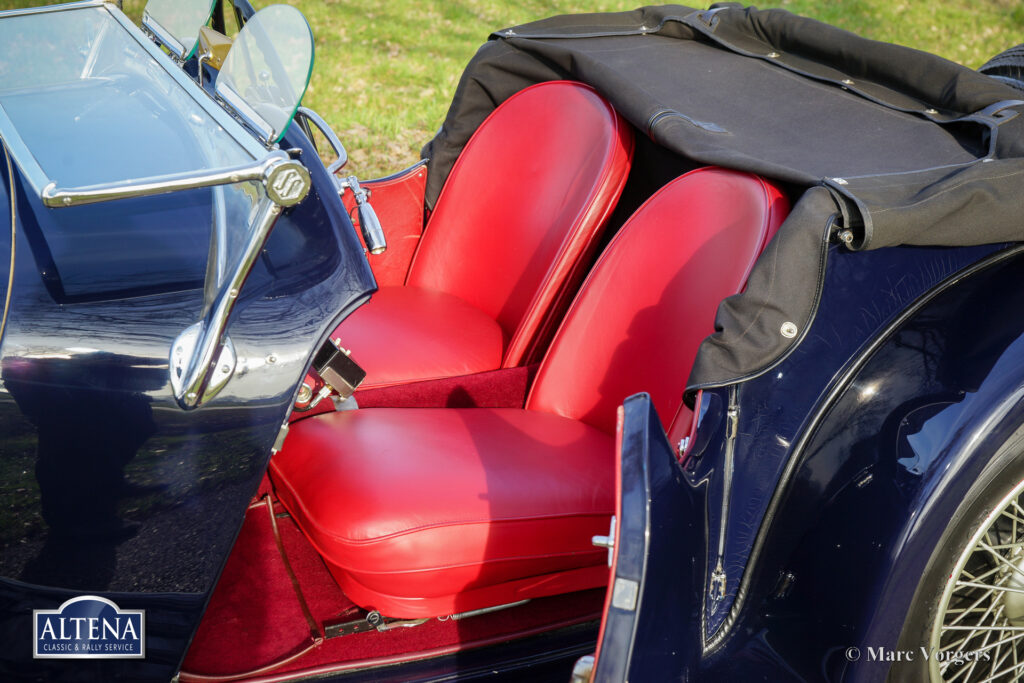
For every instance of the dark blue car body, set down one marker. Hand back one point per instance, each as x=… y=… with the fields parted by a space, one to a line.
x=851 y=453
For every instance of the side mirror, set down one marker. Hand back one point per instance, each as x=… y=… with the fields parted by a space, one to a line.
x=213 y=47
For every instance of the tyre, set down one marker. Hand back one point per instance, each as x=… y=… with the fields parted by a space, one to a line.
x=968 y=609
x=1007 y=66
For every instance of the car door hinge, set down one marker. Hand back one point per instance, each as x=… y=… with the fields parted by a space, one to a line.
x=732 y=423
x=279 y=441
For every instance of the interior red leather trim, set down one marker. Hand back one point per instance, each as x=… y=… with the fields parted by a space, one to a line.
x=421 y=512
x=424 y=503
x=523 y=206
x=410 y=333
x=504 y=388
x=398 y=201
x=653 y=294
x=414 y=607
x=510 y=235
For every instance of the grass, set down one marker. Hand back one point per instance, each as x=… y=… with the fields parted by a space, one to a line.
x=386 y=70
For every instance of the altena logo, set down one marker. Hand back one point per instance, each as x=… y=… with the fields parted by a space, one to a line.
x=89 y=627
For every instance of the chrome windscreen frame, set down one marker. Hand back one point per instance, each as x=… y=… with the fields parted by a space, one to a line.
x=178 y=51
x=55 y=196
x=202 y=357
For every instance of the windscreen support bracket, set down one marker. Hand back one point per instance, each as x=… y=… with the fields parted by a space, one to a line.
x=202 y=358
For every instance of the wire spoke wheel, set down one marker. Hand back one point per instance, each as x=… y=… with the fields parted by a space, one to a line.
x=977 y=635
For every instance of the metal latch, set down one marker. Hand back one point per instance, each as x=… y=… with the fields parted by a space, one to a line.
x=373 y=233
x=336 y=367
x=583 y=670
x=733 y=422
x=279 y=441
x=607 y=541
x=373 y=621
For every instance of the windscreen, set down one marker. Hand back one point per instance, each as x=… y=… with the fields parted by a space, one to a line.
x=84 y=100
x=268 y=68
x=92 y=106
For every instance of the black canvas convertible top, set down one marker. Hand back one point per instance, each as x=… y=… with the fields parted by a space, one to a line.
x=895 y=145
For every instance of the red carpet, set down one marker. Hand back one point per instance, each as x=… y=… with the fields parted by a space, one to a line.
x=255 y=619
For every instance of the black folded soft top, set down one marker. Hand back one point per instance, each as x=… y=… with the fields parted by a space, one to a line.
x=895 y=145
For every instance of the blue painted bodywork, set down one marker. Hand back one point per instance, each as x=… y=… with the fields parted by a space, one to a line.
x=851 y=457
x=863 y=293
x=108 y=487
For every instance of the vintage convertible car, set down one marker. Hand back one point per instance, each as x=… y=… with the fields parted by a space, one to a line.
x=691 y=350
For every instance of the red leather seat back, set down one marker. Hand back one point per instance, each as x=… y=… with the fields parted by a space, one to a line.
x=520 y=212
x=652 y=296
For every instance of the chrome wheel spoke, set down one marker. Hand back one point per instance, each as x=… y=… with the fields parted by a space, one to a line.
x=970 y=667
x=1006 y=589
x=999 y=558
x=996 y=676
x=981 y=611
x=1005 y=546
x=987 y=594
x=982 y=577
x=1008 y=639
x=1016 y=629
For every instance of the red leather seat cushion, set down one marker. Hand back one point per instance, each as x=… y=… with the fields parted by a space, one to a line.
x=414 y=506
x=409 y=333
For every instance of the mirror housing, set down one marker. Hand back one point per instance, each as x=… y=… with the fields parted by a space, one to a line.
x=213 y=47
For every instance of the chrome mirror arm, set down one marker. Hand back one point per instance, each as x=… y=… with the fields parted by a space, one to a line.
x=202 y=358
x=199 y=66
x=56 y=197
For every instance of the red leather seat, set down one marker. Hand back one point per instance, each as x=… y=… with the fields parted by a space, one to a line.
x=509 y=236
x=425 y=512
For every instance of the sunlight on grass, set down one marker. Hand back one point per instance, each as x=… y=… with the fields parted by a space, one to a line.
x=386 y=71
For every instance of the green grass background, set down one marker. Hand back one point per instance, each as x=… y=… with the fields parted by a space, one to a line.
x=385 y=71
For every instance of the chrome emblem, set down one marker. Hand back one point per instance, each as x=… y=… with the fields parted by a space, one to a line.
x=287 y=183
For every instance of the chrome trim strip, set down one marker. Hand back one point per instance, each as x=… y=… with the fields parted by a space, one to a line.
x=51 y=8
x=14 y=239
x=55 y=197
x=245 y=112
x=163 y=35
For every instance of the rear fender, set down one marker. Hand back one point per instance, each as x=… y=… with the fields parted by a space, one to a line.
x=881 y=472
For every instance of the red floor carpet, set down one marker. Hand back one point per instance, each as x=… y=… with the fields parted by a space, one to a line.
x=255 y=620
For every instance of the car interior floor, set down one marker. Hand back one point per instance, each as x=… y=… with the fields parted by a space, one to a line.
x=256 y=626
